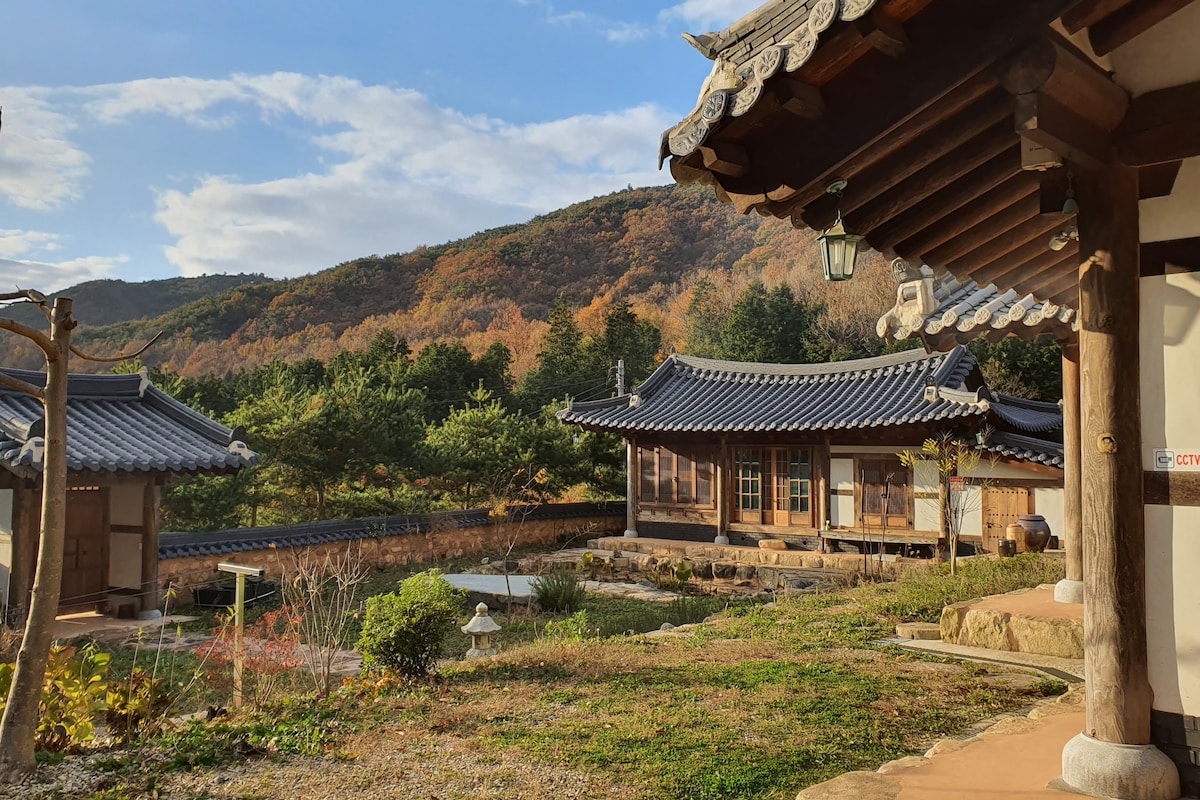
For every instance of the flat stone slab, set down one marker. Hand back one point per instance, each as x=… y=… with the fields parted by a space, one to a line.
x=928 y=631
x=518 y=587
x=1027 y=621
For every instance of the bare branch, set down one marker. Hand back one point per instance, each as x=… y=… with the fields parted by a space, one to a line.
x=35 y=336
x=21 y=386
x=28 y=295
x=119 y=356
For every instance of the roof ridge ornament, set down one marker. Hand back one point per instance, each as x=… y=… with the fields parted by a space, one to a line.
x=146 y=382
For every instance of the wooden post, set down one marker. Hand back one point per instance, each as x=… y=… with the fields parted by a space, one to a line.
x=1072 y=468
x=239 y=620
x=823 y=468
x=1114 y=621
x=632 y=488
x=721 y=466
x=150 y=515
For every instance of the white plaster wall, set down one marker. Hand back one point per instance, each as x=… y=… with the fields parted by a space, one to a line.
x=1173 y=607
x=125 y=560
x=125 y=505
x=925 y=509
x=1170 y=363
x=972 y=511
x=1049 y=503
x=1165 y=55
x=6 y=555
x=841 y=476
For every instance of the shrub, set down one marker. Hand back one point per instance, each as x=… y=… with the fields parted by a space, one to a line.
x=672 y=576
x=137 y=707
x=404 y=630
x=686 y=610
x=558 y=591
x=575 y=628
x=72 y=695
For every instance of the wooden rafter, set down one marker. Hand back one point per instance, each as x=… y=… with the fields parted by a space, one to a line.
x=979 y=235
x=1030 y=238
x=948 y=168
x=972 y=213
x=1089 y=12
x=1132 y=20
x=907 y=161
x=1049 y=123
x=951 y=41
x=926 y=214
x=1158 y=180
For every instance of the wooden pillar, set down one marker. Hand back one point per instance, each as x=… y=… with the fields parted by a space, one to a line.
x=1072 y=468
x=631 y=487
x=1113 y=523
x=26 y=527
x=150 y=516
x=721 y=466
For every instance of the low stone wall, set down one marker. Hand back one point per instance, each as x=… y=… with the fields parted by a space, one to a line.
x=1024 y=621
x=423 y=546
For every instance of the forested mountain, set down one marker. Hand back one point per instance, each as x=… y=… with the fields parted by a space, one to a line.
x=108 y=302
x=647 y=246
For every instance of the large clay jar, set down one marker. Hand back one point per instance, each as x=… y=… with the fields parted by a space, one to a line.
x=1037 y=532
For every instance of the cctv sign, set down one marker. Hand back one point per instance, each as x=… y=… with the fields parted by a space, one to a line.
x=1177 y=460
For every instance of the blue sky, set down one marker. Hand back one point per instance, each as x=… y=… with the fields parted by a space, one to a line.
x=150 y=139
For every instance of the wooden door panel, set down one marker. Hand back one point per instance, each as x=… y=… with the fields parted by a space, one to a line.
x=85 y=549
x=1001 y=506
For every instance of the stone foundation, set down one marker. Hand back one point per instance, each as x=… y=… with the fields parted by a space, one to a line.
x=1022 y=622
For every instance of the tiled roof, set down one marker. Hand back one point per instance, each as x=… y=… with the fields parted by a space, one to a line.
x=117 y=423
x=965 y=311
x=1025 y=448
x=240 y=540
x=699 y=394
x=780 y=36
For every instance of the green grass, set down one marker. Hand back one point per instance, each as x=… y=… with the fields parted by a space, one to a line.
x=753 y=706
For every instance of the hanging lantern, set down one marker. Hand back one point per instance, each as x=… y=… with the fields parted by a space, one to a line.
x=839 y=251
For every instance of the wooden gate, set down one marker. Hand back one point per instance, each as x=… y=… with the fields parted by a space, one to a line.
x=1001 y=505
x=85 y=550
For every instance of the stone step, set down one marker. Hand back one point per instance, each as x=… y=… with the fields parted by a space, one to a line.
x=925 y=631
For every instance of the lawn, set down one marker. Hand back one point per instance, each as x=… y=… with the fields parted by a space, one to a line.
x=757 y=703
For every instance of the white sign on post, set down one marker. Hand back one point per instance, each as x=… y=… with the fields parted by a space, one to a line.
x=958 y=483
x=1177 y=460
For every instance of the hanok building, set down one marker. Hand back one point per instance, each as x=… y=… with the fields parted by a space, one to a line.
x=1049 y=151
x=809 y=453
x=125 y=440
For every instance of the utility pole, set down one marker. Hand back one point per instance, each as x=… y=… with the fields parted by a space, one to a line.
x=620 y=376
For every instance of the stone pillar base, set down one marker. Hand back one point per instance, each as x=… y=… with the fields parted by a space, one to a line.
x=1066 y=591
x=153 y=613
x=721 y=539
x=1119 y=771
x=630 y=534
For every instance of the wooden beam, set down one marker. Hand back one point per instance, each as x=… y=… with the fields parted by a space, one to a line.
x=950 y=43
x=1053 y=68
x=1170 y=257
x=981 y=234
x=1161 y=126
x=1114 y=542
x=1158 y=180
x=925 y=182
x=799 y=98
x=1049 y=123
x=869 y=183
x=1171 y=488
x=1016 y=188
x=1089 y=12
x=926 y=214
x=883 y=33
x=1130 y=22
x=726 y=158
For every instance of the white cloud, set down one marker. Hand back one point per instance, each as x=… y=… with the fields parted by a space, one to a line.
x=404 y=172
x=23 y=263
x=390 y=169
x=707 y=15
x=40 y=168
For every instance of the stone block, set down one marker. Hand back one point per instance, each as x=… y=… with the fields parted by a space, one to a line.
x=945 y=746
x=986 y=628
x=1011 y=725
x=772 y=544
x=926 y=631
x=858 y=785
x=908 y=762
x=725 y=571
x=1049 y=636
x=952 y=620
x=745 y=572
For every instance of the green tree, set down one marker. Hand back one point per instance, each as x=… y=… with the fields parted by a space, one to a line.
x=1014 y=366
x=625 y=338
x=769 y=326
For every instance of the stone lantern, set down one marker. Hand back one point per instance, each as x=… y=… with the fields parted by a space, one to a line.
x=481 y=627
